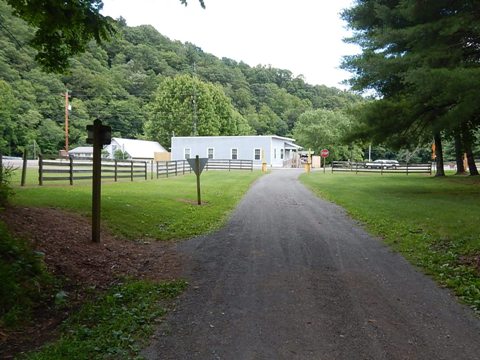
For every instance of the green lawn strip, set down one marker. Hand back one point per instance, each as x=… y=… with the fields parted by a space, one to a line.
x=432 y=221
x=115 y=326
x=154 y=209
x=24 y=281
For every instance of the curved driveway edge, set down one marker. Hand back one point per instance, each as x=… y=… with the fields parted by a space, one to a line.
x=292 y=277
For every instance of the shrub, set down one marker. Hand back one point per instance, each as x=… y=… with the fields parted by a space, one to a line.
x=24 y=281
x=6 y=190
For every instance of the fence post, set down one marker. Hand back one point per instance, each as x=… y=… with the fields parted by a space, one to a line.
x=70 y=175
x=157 y=169
x=407 y=168
x=166 y=166
x=176 y=168
x=24 y=167
x=146 y=177
x=115 y=175
x=183 y=166
x=151 y=169
x=356 y=168
x=40 y=169
x=381 y=170
x=131 y=170
x=229 y=161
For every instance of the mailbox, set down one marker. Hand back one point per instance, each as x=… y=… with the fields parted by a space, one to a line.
x=104 y=131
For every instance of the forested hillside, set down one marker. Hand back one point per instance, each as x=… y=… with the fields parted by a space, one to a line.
x=124 y=83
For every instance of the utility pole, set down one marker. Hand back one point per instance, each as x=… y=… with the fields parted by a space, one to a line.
x=66 y=120
x=194 y=101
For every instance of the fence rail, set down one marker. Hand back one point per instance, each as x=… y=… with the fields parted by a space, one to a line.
x=172 y=168
x=72 y=169
x=345 y=166
x=229 y=164
x=75 y=169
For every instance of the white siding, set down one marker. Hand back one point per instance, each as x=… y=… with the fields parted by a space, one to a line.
x=223 y=146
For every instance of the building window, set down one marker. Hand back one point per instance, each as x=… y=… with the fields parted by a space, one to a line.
x=186 y=152
x=281 y=154
x=275 y=153
x=256 y=154
x=210 y=153
x=234 y=154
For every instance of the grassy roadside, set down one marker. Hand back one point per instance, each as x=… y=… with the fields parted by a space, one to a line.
x=155 y=209
x=116 y=326
x=432 y=221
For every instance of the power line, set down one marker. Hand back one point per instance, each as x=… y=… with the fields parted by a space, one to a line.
x=9 y=34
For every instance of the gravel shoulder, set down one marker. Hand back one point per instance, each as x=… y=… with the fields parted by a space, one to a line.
x=292 y=277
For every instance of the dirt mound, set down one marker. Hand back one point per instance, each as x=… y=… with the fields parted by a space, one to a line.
x=65 y=239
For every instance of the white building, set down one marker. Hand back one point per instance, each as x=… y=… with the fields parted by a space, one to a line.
x=134 y=149
x=82 y=152
x=275 y=150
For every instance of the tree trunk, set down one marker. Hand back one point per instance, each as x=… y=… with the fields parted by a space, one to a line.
x=467 y=143
x=471 y=163
x=439 y=154
x=459 y=154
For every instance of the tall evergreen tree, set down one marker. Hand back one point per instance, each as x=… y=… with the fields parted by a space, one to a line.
x=422 y=58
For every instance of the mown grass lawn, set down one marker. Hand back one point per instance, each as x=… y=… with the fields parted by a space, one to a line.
x=432 y=221
x=161 y=209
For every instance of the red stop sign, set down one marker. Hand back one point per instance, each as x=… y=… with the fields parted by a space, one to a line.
x=324 y=153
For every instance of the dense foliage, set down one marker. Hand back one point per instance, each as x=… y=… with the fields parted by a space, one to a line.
x=422 y=59
x=117 y=83
x=24 y=281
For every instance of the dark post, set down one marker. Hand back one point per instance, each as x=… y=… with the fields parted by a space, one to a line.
x=96 y=180
x=166 y=167
x=151 y=169
x=71 y=170
x=115 y=172
x=40 y=169
x=197 y=165
x=131 y=170
x=24 y=167
x=407 y=168
x=157 y=169
x=176 y=168
x=183 y=167
x=145 y=170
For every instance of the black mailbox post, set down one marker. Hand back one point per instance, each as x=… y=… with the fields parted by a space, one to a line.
x=98 y=135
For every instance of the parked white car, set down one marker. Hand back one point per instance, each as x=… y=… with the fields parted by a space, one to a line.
x=385 y=164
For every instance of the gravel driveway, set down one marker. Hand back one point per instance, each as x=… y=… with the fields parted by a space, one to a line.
x=292 y=277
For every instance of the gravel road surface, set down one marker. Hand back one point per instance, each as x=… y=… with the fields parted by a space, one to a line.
x=292 y=277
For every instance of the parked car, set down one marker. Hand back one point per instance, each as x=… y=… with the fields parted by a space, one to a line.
x=385 y=164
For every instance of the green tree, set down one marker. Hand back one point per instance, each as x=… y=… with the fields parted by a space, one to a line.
x=8 y=109
x=422 y=59
x=64 y=28
x=325 y=129
x=185 y=105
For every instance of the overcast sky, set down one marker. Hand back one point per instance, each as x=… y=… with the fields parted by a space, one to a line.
x=303 y=36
